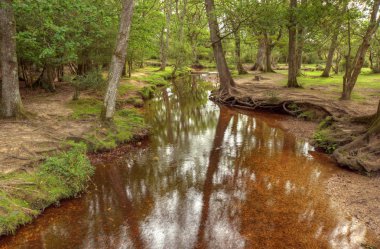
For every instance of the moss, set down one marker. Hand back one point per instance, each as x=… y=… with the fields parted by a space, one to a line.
x=107 y=136
x=84 y=108
x=23 y=195
x=321 y=140
x=126 y=87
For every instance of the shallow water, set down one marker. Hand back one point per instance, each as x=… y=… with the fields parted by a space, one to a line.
x=208 y=177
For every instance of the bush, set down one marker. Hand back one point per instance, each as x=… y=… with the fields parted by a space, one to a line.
x=92 y=80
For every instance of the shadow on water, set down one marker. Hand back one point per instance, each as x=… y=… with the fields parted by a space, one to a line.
x=208 y=177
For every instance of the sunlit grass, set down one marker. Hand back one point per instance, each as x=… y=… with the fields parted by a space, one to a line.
x=366 y=79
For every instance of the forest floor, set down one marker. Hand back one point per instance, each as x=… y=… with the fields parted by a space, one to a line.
x=356 y=194
x=38 y=166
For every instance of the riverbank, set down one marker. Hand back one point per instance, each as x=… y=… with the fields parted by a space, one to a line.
x=355 y=194
x=44 y=159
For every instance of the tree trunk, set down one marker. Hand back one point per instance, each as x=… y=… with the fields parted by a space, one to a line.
x=300 y=44
x=375 y=127
x=48 y=78
x=353 y=71
x=337 y=62
x=330 y=56
x=292 y=57
x=118 y=59
x=239 y=65
x=164 y=48
x=226 y=81
x=124 y=72
x=11 y=105
x=260 y=64
x=268 y=53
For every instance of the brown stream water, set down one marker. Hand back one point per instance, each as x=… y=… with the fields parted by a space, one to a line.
x=208 y=177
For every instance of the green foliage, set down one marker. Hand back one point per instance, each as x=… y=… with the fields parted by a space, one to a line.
x=321 y=140
x=92 y=80
x=147 y=92
x=59 y=32
x=325 y=123
x=24 y=195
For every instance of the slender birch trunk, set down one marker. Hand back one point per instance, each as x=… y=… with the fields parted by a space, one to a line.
x=117 y=61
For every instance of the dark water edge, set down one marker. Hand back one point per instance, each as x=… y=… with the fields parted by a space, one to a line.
x=208 y=177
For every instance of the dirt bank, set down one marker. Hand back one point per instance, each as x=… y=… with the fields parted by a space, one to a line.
x=38 y=166
x=355 y=194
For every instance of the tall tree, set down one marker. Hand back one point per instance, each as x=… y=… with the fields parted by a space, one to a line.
x=353 y=68
x=118 y=59
x=330 y=56
x=226 y=81
x=165 y=35
x=292 y=53
x=11 y=104
x=239 y=65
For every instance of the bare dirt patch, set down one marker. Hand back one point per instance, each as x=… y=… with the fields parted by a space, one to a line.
x=27 y=142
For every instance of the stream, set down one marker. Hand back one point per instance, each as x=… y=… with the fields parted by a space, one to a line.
x=207 y=177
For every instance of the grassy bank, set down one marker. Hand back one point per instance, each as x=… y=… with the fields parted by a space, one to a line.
x=24 y=195
x=65 y=174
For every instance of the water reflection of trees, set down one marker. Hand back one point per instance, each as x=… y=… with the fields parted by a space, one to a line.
x=208 y=179
x=181 y=111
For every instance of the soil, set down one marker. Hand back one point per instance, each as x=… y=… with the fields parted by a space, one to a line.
x=25 y=143
x=356 y=194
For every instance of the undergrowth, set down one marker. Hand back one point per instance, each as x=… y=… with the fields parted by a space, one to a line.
x=322 y=136
x=23 y=195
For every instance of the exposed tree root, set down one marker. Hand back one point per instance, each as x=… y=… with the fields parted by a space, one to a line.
x=363 y=154
x=354 y=150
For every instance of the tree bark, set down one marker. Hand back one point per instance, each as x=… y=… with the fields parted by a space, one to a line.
x=268 y=53
x=239 y=65
x=165 y=34
x=260 y=64
x=375 y=127
x=11 y=105
x=330 y=56
x=353 y=71
x=300 y=44
x=292 y=57
x=226 y=81
x=118 y=59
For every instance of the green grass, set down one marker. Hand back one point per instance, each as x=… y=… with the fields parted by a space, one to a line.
x=153 y=76
x=23 y=195
x=126 y=87
x=84 y=108
x=366 y=80
x=125 y=124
